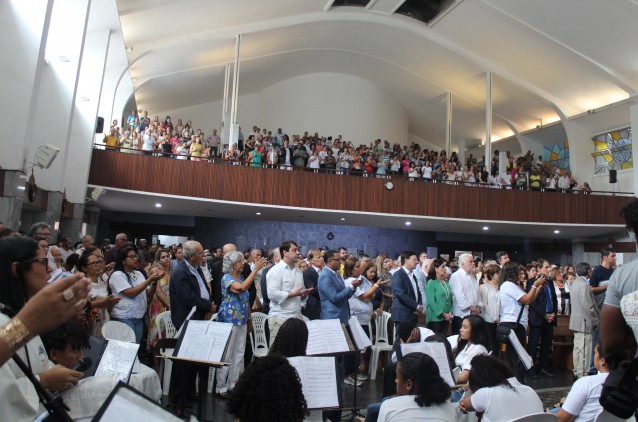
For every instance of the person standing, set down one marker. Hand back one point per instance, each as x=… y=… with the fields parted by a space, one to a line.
x=285 y=288
x=407 y=304
x=465 y=288
x=583 y=320
x=440 y=302
x=310 y=281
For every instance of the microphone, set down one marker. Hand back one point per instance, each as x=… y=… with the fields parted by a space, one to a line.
x=83 y=364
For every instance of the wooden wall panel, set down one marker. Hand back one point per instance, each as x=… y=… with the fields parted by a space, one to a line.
x=328 y=191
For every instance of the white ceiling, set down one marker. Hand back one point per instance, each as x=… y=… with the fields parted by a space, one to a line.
x=121 y=200
x=549 y=59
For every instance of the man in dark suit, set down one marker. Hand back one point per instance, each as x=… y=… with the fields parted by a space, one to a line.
x=265 y=301
x=407 y=301
x=542 y=320
x=187 y=289
x=310 y=280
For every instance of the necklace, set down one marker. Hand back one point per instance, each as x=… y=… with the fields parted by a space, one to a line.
x=446 y=289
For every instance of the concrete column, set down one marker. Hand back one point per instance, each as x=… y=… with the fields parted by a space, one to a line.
x=11 y=201
x=461 y=153
x=51 y=215
x=72 y=227
x=633 y=116
x=488 y=120
x=92 y=220
x=448 y=126
x=578 y=252
x=502 y=162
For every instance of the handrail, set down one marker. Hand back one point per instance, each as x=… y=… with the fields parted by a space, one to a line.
x=358 y=173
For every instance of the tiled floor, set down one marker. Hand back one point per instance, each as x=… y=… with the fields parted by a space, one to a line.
x=550 y=391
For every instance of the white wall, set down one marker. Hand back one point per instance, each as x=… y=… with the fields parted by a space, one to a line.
x=334 y=104
x=328 y=103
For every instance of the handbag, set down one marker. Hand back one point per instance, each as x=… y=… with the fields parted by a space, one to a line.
x=620 y=391
x=503 y=330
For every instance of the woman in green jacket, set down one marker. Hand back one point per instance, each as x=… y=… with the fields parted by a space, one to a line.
x=439 y=295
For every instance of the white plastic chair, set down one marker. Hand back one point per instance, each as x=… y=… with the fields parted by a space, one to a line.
x=537 y=417
x=115 y=330
x=258 y=335
x=381 y=343
x=605 y=416
x=165 y=329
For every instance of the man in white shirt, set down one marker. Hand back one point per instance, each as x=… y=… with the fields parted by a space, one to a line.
x=87 y=242
x=465 y=291
x=214 y=142
x=286 y=289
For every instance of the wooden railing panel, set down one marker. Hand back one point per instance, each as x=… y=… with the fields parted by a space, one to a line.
x=353 y=193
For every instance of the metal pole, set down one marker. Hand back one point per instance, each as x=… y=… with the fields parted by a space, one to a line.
x=448 y=128
x=488 y=120
x=234 y=130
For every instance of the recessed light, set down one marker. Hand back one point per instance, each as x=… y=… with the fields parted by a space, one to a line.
x=556 y=231
x=158 y=205
x=485 y=228
x=258 y=213
x=342 y=219
x=408 y=223
x=64 y=59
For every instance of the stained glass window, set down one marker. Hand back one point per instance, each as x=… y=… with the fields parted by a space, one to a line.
x=557 y=154
x=613 y=150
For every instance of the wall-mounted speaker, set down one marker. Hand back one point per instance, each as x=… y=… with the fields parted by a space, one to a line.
x=45 y=155
x=99 y=125
x=613 y=176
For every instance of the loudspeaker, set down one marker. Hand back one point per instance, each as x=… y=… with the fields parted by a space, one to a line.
x=99 y=125
x=45 y=155
x=612 y=176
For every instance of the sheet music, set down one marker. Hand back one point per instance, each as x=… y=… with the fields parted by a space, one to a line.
x=325 y=336
x=118 y=358
x=318 y=379
x=437 y=352
x=205 y=340
x=520 y=351
x=87 y=396
x=360 y=338
x=188 y=317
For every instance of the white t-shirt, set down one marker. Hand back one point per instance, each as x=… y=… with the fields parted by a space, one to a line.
x=128 y=307
x=509 y=294
x=404 y=408
x=362 y=310
x=582 y=400
x=502 y=403
x=469 y=351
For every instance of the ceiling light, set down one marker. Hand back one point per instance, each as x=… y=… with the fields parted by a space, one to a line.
x=158 y=205
x=556 y=231
x=408 y=223
x=485 y=228
x=342 y=219
x=258 y=213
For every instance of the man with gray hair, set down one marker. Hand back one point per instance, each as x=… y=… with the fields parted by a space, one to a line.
x=187 y=289
x=87 y=242
x=111 y=254
x=40 y=231
x=465 y=292
x=584 y=318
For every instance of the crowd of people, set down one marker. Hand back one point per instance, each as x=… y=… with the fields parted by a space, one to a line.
x=429 y=299
x=312 y=152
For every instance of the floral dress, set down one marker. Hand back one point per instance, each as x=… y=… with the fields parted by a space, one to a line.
x=234 y=307
x=156 y=308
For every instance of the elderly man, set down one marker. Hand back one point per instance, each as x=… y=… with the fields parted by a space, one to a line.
x=187 y=289
x=584 y=318
x=111 y=254
x=286 y=290
x=87 y=242
x=465 y=292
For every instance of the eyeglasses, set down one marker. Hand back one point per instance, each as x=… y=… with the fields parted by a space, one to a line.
x=132 y=256
x=43 y=261
x=96 y=263
x=334 y=259
x=43 y=234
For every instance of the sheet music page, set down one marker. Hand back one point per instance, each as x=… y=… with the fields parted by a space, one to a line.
x=188 y=317
x=361 y=339
x=86 y=398
x=325 y=336
x=437 y=352
x=205 y=340
x=118 y=359
x=318 y=379
x=520 y=351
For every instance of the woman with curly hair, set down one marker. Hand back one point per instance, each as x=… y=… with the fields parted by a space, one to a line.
x=281 y=401
x=291 y=339
x=494 y=388
x=422 y=393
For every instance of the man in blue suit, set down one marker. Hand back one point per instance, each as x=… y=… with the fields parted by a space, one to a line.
x=407 y=302
x=333 y=291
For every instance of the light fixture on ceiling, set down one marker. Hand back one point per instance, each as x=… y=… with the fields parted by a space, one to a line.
x=129 y=49
x=486 y=228
x=556 y=231
x=64 y=59
x=257 y=213
x=408 y=223
x=342 y=219
x=158 y=205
